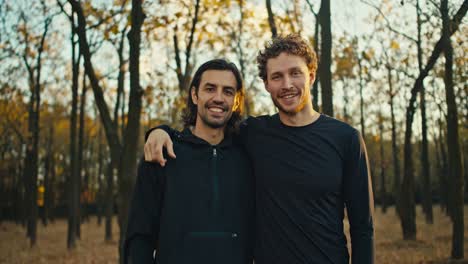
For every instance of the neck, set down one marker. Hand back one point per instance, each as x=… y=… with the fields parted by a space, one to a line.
x=304 y=117
x=211 y=135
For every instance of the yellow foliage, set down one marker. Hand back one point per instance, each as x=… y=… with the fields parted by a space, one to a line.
x=394 y=45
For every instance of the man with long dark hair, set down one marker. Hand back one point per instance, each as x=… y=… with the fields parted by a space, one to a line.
x=198 y=208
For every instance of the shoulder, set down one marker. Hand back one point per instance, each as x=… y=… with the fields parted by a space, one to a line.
x=260 y=121
x=337 y=127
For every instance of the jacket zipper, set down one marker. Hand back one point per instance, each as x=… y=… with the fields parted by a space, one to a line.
x=215 y=180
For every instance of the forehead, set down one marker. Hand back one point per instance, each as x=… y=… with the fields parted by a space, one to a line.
x=284 y=62
x=219 y=78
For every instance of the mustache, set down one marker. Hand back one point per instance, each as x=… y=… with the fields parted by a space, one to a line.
x=219 y=105
x=287 y=92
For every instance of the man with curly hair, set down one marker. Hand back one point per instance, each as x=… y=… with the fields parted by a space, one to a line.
x=308 y=168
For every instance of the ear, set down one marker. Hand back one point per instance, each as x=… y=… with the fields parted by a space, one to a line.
x=312 y=77
x=194 y=96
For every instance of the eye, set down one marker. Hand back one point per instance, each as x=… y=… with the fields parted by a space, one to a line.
x=275 y=77
x=209 y=88
x=296 y=73
x=229 y=92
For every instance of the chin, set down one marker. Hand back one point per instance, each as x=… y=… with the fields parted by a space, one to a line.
x=290 y=110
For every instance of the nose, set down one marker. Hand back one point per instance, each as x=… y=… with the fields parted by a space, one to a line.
x=218 y=96
x=287 y=83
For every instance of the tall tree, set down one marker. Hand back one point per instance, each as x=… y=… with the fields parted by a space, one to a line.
x=49 y=171
x=127 y=172
x=79 y=161
x=426 y=173
x=34 y=69
x=73 y=177
x=271 y=19
x=383 y=185
x=395 y=149
x=324 y=70
x=454 y=155
x=315 y=91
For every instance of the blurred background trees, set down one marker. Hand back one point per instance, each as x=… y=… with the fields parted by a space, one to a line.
x=80 y=81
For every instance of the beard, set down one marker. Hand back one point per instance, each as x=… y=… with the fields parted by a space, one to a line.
x=297 y=109
x=212 y=122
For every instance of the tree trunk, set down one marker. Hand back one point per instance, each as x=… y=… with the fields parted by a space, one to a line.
x=454 y=156
x=120 y=79
x=361 y=99
x=426 y=175
x=315 y=94
x=32 y=155
x=109 y=201
x=79 y=162
x=101 y=190
x=314 y=90
x=346 y=116
x=395 y=150
x=326 y=58
x=383 y=189
x=127 y=171
x=271 y=19
x=73 y=192
x=443 y=172
x=48 y=163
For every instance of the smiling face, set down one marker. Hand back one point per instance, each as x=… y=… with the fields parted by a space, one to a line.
x=288 y=81
x=215 y=99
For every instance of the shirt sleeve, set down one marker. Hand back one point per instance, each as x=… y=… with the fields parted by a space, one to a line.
x=144 y=215
x=359 y=201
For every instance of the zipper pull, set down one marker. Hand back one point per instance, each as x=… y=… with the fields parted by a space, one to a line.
x=214 y=152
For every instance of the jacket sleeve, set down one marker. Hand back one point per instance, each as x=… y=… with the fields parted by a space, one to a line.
x=359 y=200
x=172 y=132
x=144 y=215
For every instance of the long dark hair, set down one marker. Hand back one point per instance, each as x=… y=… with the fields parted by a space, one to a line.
x=189 y=116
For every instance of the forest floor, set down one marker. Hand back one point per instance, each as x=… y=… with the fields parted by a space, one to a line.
x=433 y=243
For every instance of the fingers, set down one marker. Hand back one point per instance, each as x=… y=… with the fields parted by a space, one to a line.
x=157 y=140
x=170 y=149
x=157 y=154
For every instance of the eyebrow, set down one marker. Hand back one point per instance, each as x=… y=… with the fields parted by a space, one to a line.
x=295 y=69
x=213 y=84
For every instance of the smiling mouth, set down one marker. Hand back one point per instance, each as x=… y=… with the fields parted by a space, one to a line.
x=216 y=109
x=287 y=96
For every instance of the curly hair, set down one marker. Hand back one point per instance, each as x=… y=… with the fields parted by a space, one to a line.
x=189 y=116
x=292 y=44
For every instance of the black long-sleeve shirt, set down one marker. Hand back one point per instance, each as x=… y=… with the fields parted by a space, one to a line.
x=305 y=177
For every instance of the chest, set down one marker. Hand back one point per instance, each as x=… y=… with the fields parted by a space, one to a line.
x=303 y=162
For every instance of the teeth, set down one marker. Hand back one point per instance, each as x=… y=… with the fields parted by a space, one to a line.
x=288 y=96
x=217 y=110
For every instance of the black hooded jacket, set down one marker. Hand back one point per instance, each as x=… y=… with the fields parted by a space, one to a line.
x=199 y=208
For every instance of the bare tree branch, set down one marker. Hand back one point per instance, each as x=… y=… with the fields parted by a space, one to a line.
x=388 y=22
